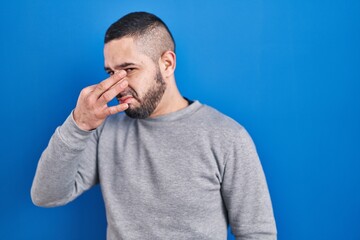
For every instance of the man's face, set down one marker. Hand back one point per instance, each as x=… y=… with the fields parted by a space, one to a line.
x=146 y=85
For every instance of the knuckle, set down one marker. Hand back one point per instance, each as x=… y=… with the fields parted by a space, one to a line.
x=84 y=91
x=87 y=90
x=88 y=101
x=97 y=116
x=101 y=86
x=111 y=111
x=107 y=112
x=106 y=96
x=122 y=85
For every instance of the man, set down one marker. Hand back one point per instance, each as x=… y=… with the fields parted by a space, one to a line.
x=170 y=168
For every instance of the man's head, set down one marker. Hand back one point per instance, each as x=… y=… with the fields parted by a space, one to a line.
x=150 y=33
x=141 y=44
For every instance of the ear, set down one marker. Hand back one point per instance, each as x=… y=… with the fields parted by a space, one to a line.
x=167 y=64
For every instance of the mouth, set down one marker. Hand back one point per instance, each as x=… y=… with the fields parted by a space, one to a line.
x=128 y=96
x=126 y=99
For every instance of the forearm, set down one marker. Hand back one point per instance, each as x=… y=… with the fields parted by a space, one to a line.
x=58 y=179
x=66 y=168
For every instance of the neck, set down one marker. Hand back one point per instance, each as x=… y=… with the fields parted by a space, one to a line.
x=171 y=101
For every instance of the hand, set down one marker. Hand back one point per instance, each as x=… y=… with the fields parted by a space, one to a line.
x=92 y=109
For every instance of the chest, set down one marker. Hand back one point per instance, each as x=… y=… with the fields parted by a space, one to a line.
x=160 y=162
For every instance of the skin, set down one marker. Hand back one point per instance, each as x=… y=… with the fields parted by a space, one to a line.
x=129 y=68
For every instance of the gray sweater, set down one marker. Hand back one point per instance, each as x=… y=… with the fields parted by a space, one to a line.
x=184 y=175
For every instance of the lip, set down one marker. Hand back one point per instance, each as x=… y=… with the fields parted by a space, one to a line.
x=126 y=99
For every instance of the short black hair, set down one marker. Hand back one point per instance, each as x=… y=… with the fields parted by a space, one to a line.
x=143 y=25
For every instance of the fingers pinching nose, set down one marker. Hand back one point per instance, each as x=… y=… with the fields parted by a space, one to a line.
x=121 y=73
x=124 y=84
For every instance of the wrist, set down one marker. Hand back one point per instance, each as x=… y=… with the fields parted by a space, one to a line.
x=80 y=125
x=71 y=134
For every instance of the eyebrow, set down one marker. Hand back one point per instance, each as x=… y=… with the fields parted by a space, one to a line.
x=120 y=66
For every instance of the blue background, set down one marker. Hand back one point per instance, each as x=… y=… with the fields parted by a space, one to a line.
x=288 y=71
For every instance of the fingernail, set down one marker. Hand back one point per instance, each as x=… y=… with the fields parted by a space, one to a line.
x=121 y=72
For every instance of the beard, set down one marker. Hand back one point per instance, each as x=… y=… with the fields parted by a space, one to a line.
x=149 y=101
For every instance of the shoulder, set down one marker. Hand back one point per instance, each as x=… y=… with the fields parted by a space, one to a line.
x=223 y=127
x=218 y=121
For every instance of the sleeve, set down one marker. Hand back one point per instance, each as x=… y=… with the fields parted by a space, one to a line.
x=245 y=192
x=67 y=167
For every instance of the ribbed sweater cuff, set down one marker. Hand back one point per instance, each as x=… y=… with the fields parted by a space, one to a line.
x=72 y=135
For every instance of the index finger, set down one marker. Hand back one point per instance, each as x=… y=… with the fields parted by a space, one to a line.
x=108 y=83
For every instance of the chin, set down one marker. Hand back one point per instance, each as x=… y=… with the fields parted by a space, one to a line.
x=137 y=113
